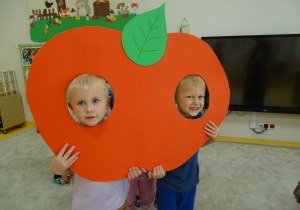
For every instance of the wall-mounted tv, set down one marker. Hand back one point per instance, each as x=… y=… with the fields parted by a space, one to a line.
x=263 y=71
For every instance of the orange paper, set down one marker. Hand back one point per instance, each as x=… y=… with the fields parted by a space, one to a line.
x=145 y=129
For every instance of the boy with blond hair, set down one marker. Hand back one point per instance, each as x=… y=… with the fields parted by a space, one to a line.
x=177 y=190
x=89 y=100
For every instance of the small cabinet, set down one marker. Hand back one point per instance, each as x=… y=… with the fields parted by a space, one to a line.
x=11 y=106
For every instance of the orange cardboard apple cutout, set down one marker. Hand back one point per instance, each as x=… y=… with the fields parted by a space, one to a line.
x=145 y=129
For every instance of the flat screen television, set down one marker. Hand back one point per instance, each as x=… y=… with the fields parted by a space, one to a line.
x=263 y=71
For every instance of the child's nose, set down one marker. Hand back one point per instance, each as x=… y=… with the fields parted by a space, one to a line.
x=196 y=100
x=89 y=107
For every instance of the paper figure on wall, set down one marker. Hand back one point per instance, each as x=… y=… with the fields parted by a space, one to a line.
x=28 y=55
x=49 y=18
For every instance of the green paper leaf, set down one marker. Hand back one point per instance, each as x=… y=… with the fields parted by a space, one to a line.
x=144 y=38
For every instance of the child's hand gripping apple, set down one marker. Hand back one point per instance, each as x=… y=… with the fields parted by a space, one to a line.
x=60 y=164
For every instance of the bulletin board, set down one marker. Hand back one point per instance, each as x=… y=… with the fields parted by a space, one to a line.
x=51 y=17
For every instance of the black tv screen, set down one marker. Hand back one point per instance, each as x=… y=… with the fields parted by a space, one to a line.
x=263 y=71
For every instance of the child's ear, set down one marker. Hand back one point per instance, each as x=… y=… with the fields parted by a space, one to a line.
x=70 y=107
x=108 y=102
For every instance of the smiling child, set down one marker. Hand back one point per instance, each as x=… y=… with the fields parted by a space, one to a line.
x=177 y=190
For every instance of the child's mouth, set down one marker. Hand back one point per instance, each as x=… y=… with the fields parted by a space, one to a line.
x=89 y=118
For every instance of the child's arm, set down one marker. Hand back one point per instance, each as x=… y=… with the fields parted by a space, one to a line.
x=212 y=131
x=158 y=172
x=61 y=163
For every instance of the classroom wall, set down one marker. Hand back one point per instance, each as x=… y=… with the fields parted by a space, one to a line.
x=206 y=18
x=14 y=30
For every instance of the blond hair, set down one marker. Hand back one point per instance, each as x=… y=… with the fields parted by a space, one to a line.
x=190 y=79
x=86 y=81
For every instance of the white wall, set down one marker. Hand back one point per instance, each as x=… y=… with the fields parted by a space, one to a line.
x=236 y=17
x=206 y=18
x=230 y=17
x=14 y=30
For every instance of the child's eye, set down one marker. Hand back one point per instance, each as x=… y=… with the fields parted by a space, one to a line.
x=189 y=97
x=80 y=103
x=201 y=97
x=96 y=101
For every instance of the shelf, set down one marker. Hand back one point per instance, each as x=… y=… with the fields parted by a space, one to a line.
x=2 y=93
x=8 y=83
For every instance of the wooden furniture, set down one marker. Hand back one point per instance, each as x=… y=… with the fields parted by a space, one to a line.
x=11 y=106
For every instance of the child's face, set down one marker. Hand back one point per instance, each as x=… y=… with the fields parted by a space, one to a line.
x=89 y=105
x=190 y=99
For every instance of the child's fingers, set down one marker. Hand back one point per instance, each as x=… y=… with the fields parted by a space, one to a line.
x=73 y=161
x=129 y=177
x=154 y=174
x=144 y=170
x=208 y=130
x=213 y=124
x=209 y=134
x=149 y=175
x=158 y=172
x=63 y=149
x=134 y=172
x=137 y=171
x=207 y=126
x=161 y=171
x=212 y=131
x=130 y=174
x=68 y=153
x=212 y=127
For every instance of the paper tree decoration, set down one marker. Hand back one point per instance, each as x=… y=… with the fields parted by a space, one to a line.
x=51 y=17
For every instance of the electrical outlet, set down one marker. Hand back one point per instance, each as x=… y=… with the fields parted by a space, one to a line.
x=260 y=125
x=272 y=126
x=268 y=126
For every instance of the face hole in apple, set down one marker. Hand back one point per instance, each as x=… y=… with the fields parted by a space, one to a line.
x=191 y=97
x=89 y=99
